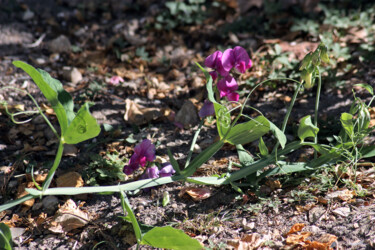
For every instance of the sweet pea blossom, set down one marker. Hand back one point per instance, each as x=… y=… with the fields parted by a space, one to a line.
x=166 y=170
x=227 y=87
x=143 y=153
x=154 y=172
x=115 y=80
x=207 y=109
x=214 y=61
x=236 y=58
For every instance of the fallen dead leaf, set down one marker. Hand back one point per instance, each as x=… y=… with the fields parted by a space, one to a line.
x=68 y=217
x=197 y=194
x=139 y=115
x=294 y=239
x=273 y=184
x=70 y=179
x=248 y=242
x=344 y=195
x=40 y=178
x=296 y=228
x=21 y=193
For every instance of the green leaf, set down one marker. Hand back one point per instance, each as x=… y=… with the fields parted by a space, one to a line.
x=347 y=123
x=173 y=162
x=166 y=199
x=262 y=147
x=211 y=96
x=244 y=157
x=170 y=238
x=367 y=152
x=278 y=134
x=366 y=86
x=52 y=91
x=223 y=120
x=5 y=237
x=307 y=128
x=126 y=207
x=83 y=127
x=249 y=131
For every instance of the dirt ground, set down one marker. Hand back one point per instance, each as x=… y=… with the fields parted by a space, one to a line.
x=157 y=65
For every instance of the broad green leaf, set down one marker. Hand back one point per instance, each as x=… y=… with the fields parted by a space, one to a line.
x=366 y=86
x=278 y=134
x=249 y=131
x=262 y=147
x=244 y=157
x=170 y=238
x=347 y=123
x=367 y=152
x=307 y=128
x=83 y=127
x=52 y=89
x=64 y=97
x=223 y=120
x=5 y=237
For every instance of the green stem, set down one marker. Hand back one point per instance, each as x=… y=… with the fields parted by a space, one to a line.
x=194 y=142
x=56 y=163
x=289 y=111
x=317 y=108
x=126 y=207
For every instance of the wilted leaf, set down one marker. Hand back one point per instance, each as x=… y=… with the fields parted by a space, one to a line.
x=139 y=115
x=296 y=228
x=197 y=194
x=294 y=239
x=70 y=179
x=68 y=217
x=248 y=242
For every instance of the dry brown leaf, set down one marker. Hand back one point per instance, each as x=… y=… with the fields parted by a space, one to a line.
x=314 y=245
x=40 y=178
x=296 y=228
x=197 y=194
x=344 y=195
x=294 y=239
x=70 y=179
x=139 y=115
x=68 y=217
x=328 y=239
x=21 y=193
x=305 y=208
x=274 y=184
x=47 y=109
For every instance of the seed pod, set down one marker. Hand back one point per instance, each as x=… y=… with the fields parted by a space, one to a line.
x=305 y=61
x=323 y=54
x=316 y=57
x=307 y=77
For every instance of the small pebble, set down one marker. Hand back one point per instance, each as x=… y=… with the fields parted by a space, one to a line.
x=50 y=203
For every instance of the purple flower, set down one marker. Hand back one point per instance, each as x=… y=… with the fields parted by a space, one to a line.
x=227 y=87
x=115 y=80
x=167 y=170
x=207 y=109
x=214 y=75
x=143 y=153
x=151 y=173
x=236 y=58
x=213 y=61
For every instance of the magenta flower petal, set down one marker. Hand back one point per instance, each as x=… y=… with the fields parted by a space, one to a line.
x=152 y=172
x=242 y=59
x=234 y=97
x=115 y=80
x=132 y=166
x=212 y=59
x=167 y=170
x=214 y=75
x=207 y=109
x=145 y=149
x=228 y=60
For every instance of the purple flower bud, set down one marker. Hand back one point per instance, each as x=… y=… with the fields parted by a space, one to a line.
x=167 y=170
x=207 y=109
x=151 y=173
x=143 y=153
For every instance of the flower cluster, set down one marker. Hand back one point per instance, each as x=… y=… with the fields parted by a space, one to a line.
x=223 y=63
x=143 y=153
